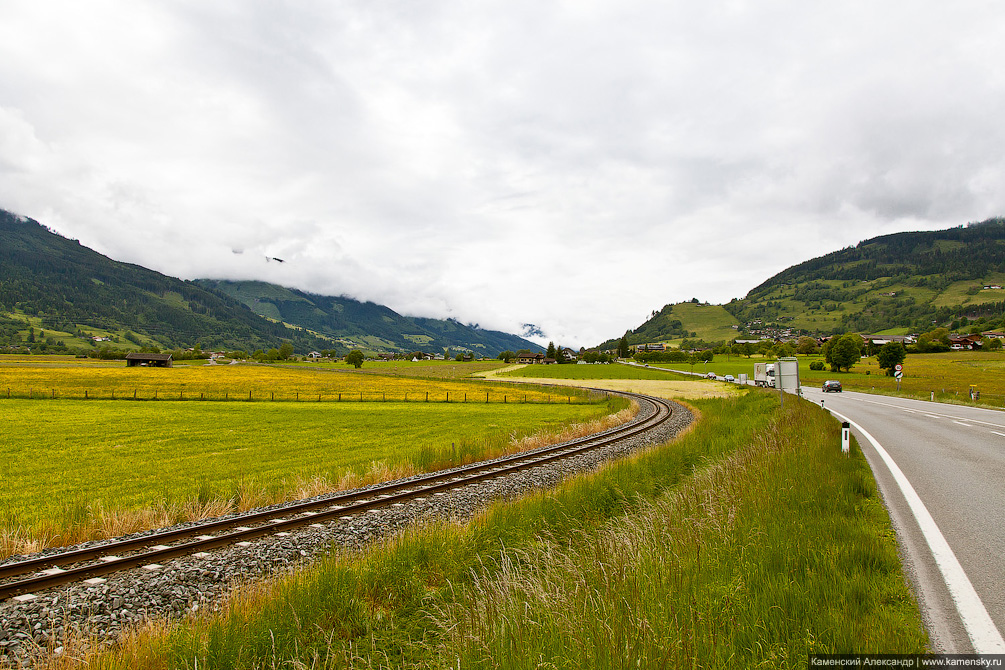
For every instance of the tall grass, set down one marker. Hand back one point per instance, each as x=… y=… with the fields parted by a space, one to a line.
x=749 y=542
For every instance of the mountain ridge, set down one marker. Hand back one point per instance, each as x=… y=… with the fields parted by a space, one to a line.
x=894 y=284
x=74 y=294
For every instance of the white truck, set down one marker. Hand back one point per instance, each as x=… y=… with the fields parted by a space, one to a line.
x=764 y=374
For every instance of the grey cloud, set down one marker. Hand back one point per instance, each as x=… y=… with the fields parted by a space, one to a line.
x=456 y=157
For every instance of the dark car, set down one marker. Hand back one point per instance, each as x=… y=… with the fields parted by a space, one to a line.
x=832 y=385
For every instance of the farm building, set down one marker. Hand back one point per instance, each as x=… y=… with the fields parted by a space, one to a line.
x=150 y=360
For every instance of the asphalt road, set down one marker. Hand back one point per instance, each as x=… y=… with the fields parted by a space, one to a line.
x=954 y=457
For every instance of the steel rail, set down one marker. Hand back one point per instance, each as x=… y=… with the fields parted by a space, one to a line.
x=276 y=520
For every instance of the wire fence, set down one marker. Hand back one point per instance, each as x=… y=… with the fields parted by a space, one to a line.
x=189 y=395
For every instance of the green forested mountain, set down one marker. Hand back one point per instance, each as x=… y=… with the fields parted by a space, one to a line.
x=75 y=293
x=899 y=283
x=355 y=323
x=56 y=294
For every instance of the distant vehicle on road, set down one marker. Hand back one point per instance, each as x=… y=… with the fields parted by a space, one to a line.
x=831 y=385
x=764 y=374
x=710 y=375
x=730 y=378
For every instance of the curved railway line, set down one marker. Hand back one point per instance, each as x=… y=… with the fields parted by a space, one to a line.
x=23 y=579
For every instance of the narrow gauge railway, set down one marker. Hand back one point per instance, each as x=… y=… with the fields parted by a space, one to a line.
x=24 y=578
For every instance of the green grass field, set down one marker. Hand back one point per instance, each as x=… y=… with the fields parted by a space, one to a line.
x=67 y=464
x=749 y=542
x=611 y=371
x=949 y=376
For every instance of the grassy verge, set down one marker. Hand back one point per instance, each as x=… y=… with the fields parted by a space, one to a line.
x=74 y=470
x=749 y=542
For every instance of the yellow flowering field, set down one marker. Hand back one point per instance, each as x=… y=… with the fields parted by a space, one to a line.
x=249 y=382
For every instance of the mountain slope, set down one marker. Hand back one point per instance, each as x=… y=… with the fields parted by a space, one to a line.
x=899 y=283
x=73 y=294
x=356 y=323
x=70 y=289
x=904 y=281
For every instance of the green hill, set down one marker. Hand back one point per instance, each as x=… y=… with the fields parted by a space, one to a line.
x=72 y=294
x=904 y=281
x=893 y=284
x=685 y=320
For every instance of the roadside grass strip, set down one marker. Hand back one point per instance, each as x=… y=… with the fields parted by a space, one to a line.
x=750 y=541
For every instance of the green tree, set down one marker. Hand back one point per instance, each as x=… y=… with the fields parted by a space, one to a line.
x=506 y=356
x=843 y=353
x=355 y=358
x=623 y=346
x=807 y=345
x=891 y=354
x=551 y=350
x=285 y=351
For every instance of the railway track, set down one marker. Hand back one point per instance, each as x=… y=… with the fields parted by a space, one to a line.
x=23 y=579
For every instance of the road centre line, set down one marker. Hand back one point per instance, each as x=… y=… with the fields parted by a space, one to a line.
x=978 y=623
x=995 y=432
x=962 y=424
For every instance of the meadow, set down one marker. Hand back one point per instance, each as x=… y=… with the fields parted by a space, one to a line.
x=76 y=469
x=750 y=541
x=611 y=371
x=948 y=376
x=115 y=381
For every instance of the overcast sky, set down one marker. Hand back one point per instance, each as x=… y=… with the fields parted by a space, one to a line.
x=572 y=165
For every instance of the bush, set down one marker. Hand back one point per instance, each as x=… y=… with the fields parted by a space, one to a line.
x=817 y=365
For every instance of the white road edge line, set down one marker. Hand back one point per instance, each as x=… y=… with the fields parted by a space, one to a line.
x=995 y=432
x=978 y=623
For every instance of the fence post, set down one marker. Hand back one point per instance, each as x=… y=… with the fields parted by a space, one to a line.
x=448 y=396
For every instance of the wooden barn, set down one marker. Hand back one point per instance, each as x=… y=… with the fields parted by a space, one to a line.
x=150 y=360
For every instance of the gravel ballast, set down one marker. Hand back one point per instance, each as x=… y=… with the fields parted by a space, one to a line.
x=102 y=611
